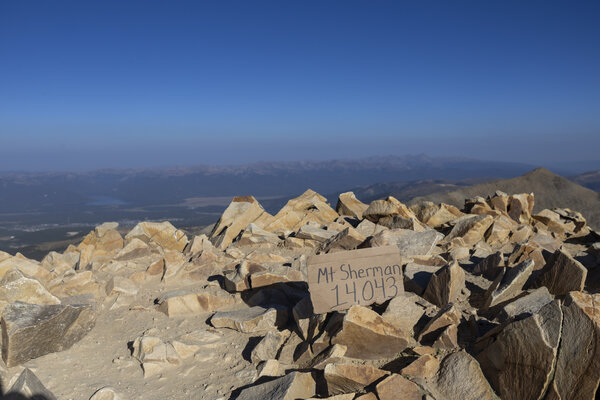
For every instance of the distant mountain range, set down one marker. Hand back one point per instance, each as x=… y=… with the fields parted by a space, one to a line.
x=27 y=192
x=59 y=206
x=550 y=191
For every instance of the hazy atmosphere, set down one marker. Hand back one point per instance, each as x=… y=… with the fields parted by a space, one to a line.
x=299 y=199
x=120 y=84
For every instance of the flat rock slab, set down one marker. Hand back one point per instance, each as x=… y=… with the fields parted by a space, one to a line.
x=368 y=335
x=30 y=331
x=445 y=285
x=577 y=372
x=533 y=341
x=346 y=378
x=509 y=284
x=250 y=320
x=460 y=377
x=28 y=386
x=295 y=385
x=562 y=274
x=396 y=387
x=529 y=304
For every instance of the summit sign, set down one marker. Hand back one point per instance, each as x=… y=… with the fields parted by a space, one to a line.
x=339 y=280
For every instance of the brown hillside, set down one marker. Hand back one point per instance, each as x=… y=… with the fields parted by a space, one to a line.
x=550 y=191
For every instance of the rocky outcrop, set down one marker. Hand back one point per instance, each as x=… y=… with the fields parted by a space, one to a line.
x=499 y=303
x=31 y=330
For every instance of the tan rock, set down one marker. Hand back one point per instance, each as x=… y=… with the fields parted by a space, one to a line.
x=435 y=215
x=257 y=237
x=74 y=284
x=470 y=229
x=396 y=385
x=508 y=361
x=334 y=354
x=424 y=367
x=367 y=335
x=185 y=350
x=500 y=230
x=577 y=373
x=295 y=385
x=509 y=283
x=120 y=284
x=198 y=244
x=269 y=368
x=28 y=386
x=291 y=351
x=103 y=242
x=367 y=228
x=15 y=286
x=174 y=263
x=445 y=285
x=162 y=233
x=446 y=316
x=417 y=276
x=390 y=207
x=273 y=275
x=237 y=280
x=346 y=378
x=269 y=346
x=448 y=339
x=307 y=322
x=521 y=234
x=460 y=377
x=346 y=396
x=314 y=232
x=562 y=274
x=308 y=207
x=491 y=266
x=106 y=393
x=409 y=242
x=349 y=205
x=528 y=304
x=30 y=330
x=403 y=312
x=29 y=268
x=60 y=263
x=134 y=249
x=348 y=239
x=154 y=355
x=520 y=207
x=250 y=320
x=182 y=302
x=367 y=396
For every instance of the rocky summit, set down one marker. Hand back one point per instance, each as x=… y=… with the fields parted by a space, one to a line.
x=499 y=302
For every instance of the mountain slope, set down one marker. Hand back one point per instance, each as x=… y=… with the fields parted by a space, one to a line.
x=550 y=191
x=590 y=180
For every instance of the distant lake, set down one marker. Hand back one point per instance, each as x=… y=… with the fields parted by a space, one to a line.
x=105 y=201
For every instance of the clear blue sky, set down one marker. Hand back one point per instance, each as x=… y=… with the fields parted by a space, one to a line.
x=89 y=84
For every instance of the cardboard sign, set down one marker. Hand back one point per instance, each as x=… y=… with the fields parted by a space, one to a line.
x=339 y=280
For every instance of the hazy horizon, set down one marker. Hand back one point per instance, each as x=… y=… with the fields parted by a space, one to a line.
x=138 y=84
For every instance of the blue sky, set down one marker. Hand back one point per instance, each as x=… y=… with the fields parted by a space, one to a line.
x=92 y=84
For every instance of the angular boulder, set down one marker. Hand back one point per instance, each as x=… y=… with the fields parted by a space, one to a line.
x=445 y=285
x=30 y=331
x=250 y=320
x=562 y=274
x=368 y=335
x=349 y=205
x=509 y=284
x=533 y=341
x=295 y=385
x=577 y=374
x=162 y=233
x=345 y=378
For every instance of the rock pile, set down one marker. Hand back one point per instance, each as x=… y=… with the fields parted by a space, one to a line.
x=499 y=302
